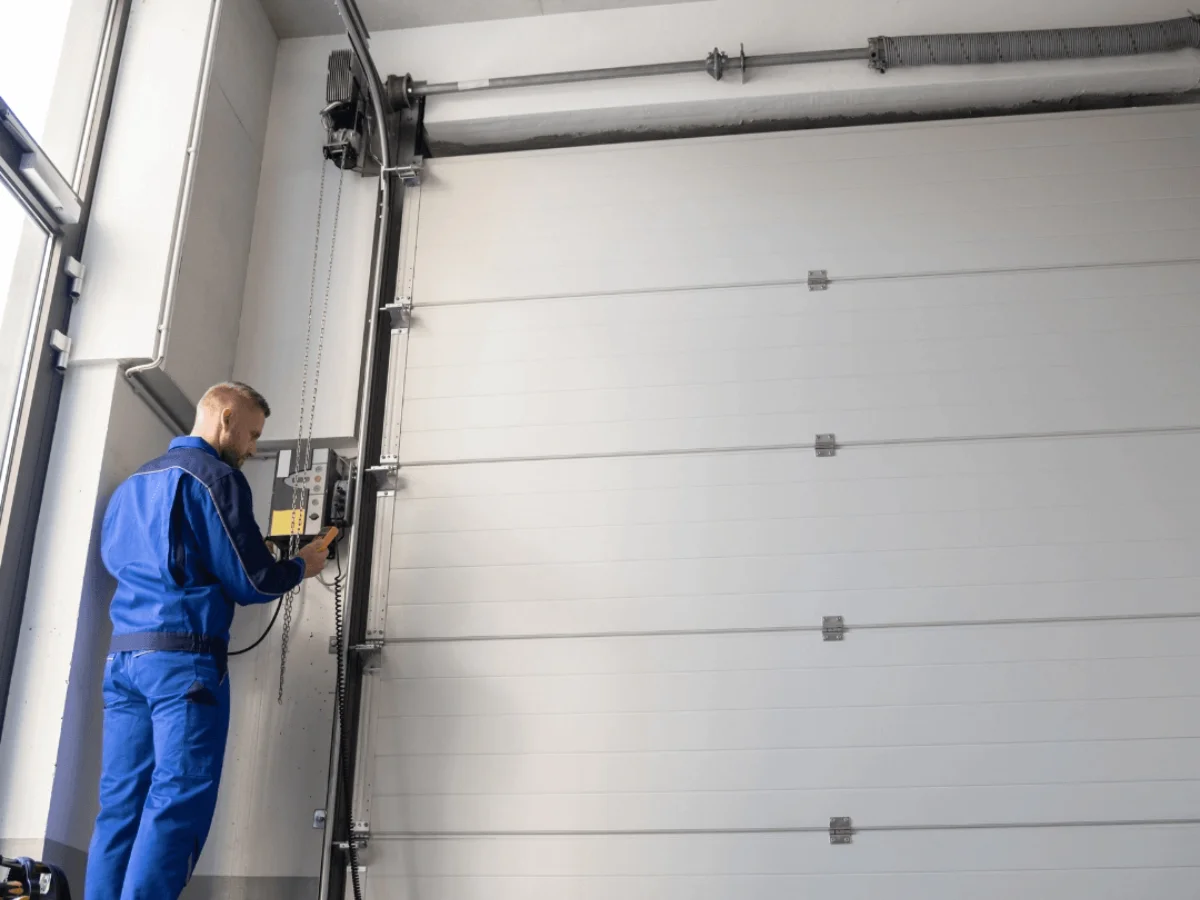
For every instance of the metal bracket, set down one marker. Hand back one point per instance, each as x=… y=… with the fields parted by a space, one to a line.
x=371 y=645
x=716 y=63
x=384 y=475
x=841 y=831
x=833 y=628
x=319 y=819
x=875 y=56
x=410 y=175
x=62 y=349
x=826 y=445
x=360 y=837
x=400 y=313
x=75 y=273
x=818 y=280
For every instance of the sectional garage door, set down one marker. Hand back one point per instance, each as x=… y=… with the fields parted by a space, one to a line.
x=604 y=573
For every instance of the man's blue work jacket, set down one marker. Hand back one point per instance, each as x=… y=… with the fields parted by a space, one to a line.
x=180 y=538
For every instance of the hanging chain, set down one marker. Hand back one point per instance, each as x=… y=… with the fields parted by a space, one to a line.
x=303 y=457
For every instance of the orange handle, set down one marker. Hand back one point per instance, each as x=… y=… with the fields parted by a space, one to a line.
x=327 y=538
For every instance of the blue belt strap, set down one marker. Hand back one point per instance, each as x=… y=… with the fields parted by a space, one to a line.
x=171 y=641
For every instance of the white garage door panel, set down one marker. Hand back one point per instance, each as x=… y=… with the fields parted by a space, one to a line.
x=634 y=217
x=861 y=328
x=617 y=712
x=877 y=534
x=735 y=731
x=1035 y=352
x=1099 y=864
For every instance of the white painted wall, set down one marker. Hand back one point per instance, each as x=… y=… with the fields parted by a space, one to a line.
x=140 y=190
x=216 y=250
x=270 y=349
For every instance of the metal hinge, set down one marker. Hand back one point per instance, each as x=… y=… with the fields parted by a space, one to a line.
x=826 y=445
x=833 y=628
x=319 y=819
x=840 y=830
x=818 y=280
x=400 y=313
x=360 y=837
x=62 y=349
x=75 y=272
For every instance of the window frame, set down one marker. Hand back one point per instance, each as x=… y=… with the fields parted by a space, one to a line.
x=40 y=381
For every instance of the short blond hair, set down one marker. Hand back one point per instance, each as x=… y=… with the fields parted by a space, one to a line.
x=228 y=393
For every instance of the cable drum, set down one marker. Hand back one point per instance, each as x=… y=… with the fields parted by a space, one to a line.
x=1034 y=46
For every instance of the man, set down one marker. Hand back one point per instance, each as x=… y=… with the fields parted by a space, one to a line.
x=180 y=539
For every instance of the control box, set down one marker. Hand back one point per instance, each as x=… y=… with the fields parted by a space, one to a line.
x=304 y=503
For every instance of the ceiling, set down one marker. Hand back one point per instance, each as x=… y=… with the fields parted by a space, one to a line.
x=307 y=18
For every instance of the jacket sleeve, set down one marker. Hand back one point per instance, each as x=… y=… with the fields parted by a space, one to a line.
x=222 y=520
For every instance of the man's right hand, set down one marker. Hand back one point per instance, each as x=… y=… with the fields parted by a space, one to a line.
x=315 y=556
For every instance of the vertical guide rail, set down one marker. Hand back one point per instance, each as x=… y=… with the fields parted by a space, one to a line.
x=396 y=137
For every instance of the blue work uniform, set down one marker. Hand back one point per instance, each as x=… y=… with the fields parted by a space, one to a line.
x=180 y=538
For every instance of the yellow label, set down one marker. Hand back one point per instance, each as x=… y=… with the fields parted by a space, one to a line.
x=287 y=521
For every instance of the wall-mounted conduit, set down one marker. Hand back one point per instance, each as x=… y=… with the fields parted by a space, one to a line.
x=881 y=53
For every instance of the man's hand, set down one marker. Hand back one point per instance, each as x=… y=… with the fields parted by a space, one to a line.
x=315 y=556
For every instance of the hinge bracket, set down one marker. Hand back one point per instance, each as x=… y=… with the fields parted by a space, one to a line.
x=833 y=628
x=841 y=831
x=826 y=445
x=61 y=345
x=367 y=647
x=384 y=476
x=818 y=280
x=400 y=313
x=360 y=837
x=75 y=273
x=410 y=175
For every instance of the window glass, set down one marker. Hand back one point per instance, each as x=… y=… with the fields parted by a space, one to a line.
x=22 y=253
x=50 y=50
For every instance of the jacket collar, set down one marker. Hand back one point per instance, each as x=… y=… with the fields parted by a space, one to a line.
x=194 y=443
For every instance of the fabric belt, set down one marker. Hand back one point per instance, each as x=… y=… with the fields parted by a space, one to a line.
x=171 y=641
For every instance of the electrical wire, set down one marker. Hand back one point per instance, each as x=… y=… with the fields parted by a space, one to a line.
x=262 y=637
x=339 y=630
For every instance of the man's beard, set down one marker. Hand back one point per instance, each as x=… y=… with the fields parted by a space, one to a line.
x=230 y=458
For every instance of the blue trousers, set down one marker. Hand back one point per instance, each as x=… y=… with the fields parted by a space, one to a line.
x=166 y=717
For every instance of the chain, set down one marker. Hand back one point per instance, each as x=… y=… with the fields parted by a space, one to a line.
x=306 y=430
x=337 y=209
x=297 y=465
